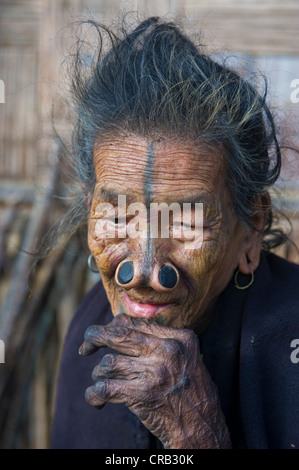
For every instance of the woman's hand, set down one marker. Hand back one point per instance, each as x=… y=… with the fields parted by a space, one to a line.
x=161 y=378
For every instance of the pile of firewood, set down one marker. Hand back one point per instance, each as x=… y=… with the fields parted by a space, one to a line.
x=36 y=308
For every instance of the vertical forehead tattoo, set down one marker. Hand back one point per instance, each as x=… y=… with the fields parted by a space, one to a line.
x=148 y=175
x=147 y=190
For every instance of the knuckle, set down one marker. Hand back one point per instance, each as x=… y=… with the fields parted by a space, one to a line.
x=137 y=321
x=121 y=319
x=90 y=332
x=89 y=395
x=105 y=367
x=173 y=347
x=108 y=362
x=190 y=337
x=92 y=396
x=102 y=389
x=117 y=331
x=161 y=375
x=96 y=373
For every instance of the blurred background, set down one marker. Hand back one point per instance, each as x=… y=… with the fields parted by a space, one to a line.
x=35 y=311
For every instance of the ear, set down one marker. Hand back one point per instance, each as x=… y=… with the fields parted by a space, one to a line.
x=252 y=243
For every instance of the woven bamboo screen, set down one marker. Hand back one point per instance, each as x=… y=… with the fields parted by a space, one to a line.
x=263 y=32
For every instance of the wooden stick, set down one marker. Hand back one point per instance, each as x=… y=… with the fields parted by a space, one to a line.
x=18 y=289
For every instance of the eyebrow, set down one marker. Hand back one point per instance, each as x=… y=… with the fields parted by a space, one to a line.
x=197 y=198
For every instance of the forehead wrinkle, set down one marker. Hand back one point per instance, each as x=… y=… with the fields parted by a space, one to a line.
x=114 y=152
x=111 y=195
x=156 y=168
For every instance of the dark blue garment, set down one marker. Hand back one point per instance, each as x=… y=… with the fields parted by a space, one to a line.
x=246 y=349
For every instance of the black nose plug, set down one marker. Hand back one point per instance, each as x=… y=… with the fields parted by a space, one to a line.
x=168 y=277
x=125 y=273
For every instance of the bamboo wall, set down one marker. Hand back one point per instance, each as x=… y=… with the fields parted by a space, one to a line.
x=257 y=35
x=31 y=31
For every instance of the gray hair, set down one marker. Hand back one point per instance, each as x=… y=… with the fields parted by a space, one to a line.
x=154 y=80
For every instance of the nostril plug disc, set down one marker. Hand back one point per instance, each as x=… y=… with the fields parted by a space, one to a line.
x=125 y=273
x=168 y=277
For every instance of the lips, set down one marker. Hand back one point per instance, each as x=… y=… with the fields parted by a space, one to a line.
x=144 y=310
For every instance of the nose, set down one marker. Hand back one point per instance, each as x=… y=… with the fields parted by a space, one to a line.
x=163 y=278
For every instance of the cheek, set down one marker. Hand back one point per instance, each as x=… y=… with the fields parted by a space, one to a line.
x=110 y=252
x=204 y=267
x=200 y=262
x=107 y=252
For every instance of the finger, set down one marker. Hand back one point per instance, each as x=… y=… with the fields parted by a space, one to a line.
x=121 y=338
x=117 y=366
x=112 y=391
x=150 y=327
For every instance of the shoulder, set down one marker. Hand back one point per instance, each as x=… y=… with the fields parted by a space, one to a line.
x=281 y=269
x=281 y=283
x=268 y=376
x=272 y=304
x=277 y=280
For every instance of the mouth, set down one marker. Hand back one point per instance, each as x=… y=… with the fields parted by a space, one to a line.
x=143 y=309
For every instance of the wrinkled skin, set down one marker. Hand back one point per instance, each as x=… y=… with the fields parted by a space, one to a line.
x=161 y=378
x=159 y=374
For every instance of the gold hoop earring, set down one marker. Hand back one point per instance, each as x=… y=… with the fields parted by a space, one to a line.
x=91 y=267
x=237 y=285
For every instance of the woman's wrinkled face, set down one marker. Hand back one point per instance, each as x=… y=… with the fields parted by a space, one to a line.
x=166 y=171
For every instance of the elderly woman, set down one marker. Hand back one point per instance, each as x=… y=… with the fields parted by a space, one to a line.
x=198 y=332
